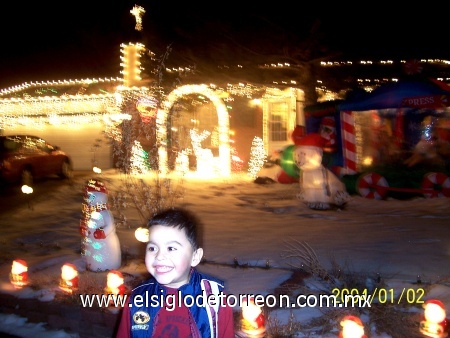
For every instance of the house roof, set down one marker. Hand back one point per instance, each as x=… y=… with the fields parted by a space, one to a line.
x=61 y=88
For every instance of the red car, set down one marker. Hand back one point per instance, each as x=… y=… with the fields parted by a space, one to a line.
x=26 y=157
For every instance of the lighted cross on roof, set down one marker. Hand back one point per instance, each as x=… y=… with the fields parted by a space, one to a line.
x=137 y=12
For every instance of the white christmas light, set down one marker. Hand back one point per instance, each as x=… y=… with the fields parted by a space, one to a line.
x=257 y=157
x=142 y=234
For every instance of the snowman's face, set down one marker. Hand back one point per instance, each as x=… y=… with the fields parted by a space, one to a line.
x=434 y=313
x=250 y=310
x=308 y=157
x=95 y=197
x=300 y=157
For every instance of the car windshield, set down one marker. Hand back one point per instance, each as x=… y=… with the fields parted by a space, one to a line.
x=8 y=145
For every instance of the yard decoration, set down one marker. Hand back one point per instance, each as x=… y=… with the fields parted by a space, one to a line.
x=69 y=278
x=115 y=283
x=100 y=243
x=253 y=321
x=327 y=130
x=319 y=187
x=115 y=289
x=393 y=141
x=435 y=323
x=352 y=327
x=298 y=133
x=19 y=273
x=287 y=161
x=280 y=168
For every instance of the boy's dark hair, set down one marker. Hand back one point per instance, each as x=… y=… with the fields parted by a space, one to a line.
x=181 y=219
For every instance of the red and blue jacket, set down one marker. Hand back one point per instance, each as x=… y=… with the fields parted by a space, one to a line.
x=143 y=313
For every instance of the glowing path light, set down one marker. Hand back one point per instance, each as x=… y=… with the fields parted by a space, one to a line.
x=19 y=273
x=115 y=283
x=253 y=321
x=352 y=327
x=69 y=278
x=435 y=323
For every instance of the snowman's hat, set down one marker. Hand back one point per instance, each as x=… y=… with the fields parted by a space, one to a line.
x=435 y=302
x=328 y=121
x=353 y=319
x=298 y=133
x=95 y=186
x=312 y=140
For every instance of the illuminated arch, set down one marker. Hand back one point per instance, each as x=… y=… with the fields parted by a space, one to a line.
x=223 y=125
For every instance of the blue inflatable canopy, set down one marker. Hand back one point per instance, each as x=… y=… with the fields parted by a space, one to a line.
x=426 y=93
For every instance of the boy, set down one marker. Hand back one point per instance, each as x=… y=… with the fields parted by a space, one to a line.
x=172 y=253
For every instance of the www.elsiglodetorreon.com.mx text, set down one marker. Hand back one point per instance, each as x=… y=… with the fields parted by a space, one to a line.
x=338 y=298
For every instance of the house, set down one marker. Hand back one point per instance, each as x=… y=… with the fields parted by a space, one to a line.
x=77 y=114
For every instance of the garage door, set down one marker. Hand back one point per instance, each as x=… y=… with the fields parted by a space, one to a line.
x=78 y=143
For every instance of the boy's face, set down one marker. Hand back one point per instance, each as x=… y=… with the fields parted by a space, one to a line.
x=169 y=256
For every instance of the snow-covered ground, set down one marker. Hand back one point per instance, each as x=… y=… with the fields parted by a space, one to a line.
x=250 y=230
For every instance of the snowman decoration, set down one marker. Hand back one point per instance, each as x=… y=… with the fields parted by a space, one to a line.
x=253 y=321
x=319 y=187
x=100 y=243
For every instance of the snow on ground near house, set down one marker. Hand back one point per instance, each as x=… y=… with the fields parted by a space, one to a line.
x=397 y=240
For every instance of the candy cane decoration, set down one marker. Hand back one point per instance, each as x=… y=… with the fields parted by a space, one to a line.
x=372 y=186
x=438 y=185
x=348 y=142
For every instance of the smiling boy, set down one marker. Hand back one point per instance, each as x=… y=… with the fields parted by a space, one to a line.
x=174 y=301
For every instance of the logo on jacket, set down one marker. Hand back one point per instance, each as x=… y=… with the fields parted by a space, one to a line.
x=141 y=318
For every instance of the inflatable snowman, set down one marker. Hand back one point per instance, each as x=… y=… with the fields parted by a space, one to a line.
x=100 y=244
x=319 y=187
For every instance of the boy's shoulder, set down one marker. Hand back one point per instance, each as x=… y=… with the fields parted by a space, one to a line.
x=204 y=276
x=145 y=284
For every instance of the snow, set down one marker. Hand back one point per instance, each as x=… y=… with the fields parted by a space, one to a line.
x=249 y=229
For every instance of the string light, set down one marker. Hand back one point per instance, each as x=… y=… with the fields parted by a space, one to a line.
x=224 y=159
x=139 y=159
x=131 y=64
x=257 y=157
x=137 y=12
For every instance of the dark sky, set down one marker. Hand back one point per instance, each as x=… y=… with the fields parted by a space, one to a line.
x=79 y=39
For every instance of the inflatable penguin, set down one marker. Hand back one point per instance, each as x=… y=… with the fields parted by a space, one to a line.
x=100 y=244
x=319 y=187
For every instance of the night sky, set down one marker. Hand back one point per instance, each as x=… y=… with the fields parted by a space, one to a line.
x=74 y=40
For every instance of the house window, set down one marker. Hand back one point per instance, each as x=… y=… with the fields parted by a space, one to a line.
x=278 y=121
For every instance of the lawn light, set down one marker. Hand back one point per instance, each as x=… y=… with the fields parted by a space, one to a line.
x=141 y=234
x=115 y=283
x=115 y=288
x=69 y=278
x=435 y=323
x=19 y=273
x=26 y=189
x=253 y=322
x=352 y=327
